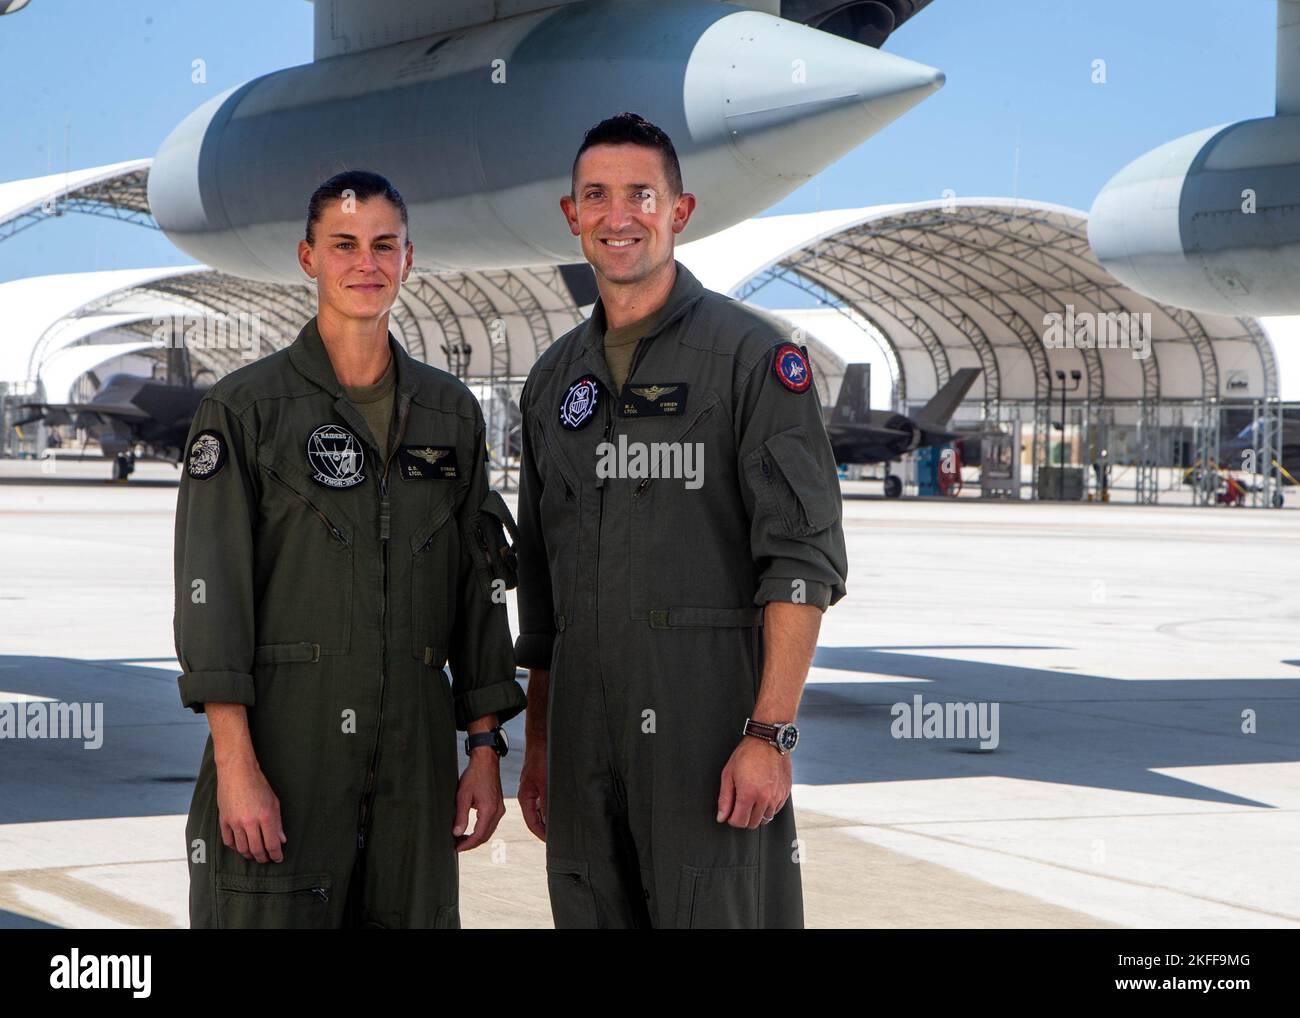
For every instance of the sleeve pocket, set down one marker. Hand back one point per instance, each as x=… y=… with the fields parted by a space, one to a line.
x=496 y=553
x=792 y=486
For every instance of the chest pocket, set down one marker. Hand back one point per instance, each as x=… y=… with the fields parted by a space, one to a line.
x=435 y=574
x=669 y=529
x=307 y=596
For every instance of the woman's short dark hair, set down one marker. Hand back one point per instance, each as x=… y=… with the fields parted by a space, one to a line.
x=362 y=184
x=631 y=129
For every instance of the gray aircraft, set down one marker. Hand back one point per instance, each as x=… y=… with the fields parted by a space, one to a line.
x=128 y=413
x=1209 y=222
x=859 y=434
x=474 y=110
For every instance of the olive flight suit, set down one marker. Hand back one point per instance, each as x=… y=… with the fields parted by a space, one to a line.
x=643 y=595
x=324 y=587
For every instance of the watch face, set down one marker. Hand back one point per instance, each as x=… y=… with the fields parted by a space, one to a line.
x=787 y=737
x=503 y=744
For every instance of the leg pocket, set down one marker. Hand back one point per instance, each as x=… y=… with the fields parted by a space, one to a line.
x=573 y=903
x=448 y=918
x=718 y=898
x=294 y=902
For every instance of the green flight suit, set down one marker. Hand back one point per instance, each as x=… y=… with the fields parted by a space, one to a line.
x=325 y=588
x=644 y=597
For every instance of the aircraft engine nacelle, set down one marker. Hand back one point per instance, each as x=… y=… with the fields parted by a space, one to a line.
x=1210 y=222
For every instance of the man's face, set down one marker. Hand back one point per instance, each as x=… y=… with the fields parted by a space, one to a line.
x=360 y=257
x=623 y=210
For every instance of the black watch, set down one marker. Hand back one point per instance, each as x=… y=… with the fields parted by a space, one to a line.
x=783 y=736
x=495 y=738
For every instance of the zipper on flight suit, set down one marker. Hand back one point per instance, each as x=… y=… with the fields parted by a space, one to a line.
x=338 y=534
x=385 y=525
x=699 y=416
x=316 y=891
x=611 y=425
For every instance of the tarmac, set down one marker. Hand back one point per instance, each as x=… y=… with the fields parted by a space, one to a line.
x=1144 y=663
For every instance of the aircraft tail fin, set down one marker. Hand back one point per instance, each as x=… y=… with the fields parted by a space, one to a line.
x=945 y=402
x=854 y=401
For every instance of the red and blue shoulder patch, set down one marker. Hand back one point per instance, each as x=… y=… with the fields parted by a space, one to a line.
x=791 y=367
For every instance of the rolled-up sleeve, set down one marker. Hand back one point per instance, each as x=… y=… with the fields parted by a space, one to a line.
x=480 y=655
x=790 y=487
x=213 y=621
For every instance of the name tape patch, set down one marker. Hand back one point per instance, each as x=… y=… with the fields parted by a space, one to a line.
x=428 y=462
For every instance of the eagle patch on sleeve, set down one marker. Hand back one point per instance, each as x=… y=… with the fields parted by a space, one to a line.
x=207 y=454
x=792 y=368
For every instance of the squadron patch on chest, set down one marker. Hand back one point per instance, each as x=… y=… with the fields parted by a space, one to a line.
x=335 y=457
x=207 y=454
x=792 y=368
x=428 y=462
x=579 y=403
x=663 y=399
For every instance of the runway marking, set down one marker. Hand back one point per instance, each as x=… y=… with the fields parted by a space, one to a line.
x=64 y=885
x=966 y=847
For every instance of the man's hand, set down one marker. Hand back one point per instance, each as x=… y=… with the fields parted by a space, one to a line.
x=250 y=813
x=480 y=790
x=755 y=784
x=532 y=787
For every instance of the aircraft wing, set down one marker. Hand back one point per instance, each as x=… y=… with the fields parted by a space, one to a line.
x=63 y=413
x=348 y=26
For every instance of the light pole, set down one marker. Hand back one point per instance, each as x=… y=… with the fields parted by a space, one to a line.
x=1076 y=377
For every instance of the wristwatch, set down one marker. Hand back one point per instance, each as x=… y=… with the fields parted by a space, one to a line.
x=495 y=738
x=784 y=736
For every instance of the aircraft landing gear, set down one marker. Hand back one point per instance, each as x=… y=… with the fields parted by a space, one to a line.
x=893 y=486
x=123 y=467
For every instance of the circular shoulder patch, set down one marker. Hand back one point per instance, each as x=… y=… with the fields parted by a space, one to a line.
x=579 y=402
x=207 y=454
x=792 y=368
x=335 y=456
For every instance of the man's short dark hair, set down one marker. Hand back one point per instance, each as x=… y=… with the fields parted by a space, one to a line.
x=631 y=129
x=363 y=184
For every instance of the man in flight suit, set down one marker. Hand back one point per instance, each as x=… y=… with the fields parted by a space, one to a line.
x=331 y=557
x=679 y=538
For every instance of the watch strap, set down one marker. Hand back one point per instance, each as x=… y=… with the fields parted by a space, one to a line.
x=480 y=739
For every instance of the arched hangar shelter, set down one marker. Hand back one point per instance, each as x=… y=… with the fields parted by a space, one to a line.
x=1011 y=287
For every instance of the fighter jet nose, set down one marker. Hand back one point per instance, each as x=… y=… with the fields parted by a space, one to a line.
x=794 y=99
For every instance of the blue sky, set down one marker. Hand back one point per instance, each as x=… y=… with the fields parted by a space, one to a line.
x=87 y=83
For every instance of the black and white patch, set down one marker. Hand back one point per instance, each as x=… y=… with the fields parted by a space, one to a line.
x=579 y=403
x=207 y=454
x=336 y=457
x=428 y=462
